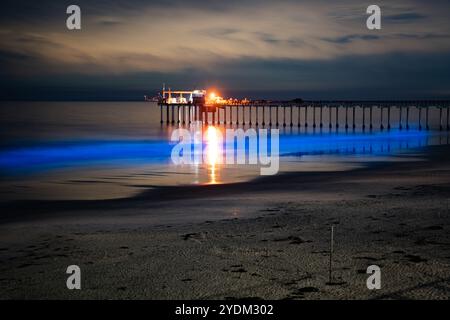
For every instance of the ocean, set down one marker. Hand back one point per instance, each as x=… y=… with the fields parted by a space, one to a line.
x=104 y=150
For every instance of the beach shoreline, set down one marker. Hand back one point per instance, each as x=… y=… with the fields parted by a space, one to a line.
x=267 y=238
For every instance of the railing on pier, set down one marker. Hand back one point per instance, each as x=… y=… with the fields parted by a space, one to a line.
x=312 y=113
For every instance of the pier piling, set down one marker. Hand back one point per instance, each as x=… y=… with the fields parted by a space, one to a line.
x=353 y=118
x=448 y=109
x=381 y=119
x=346 y=118
x=337 y=117
x=363 y=118
x=264 y=116
x=270 y=116
x=277 y=116
x=167 y=114
x=224 y=114
x=314 y=116
x=189 y=114
x=407 y=117
x=420 y=118
x=291 y=117
x=173 y=115
x=306 y=116
x=321 y=123
x=329 y=117
x=389 y=118
x=257 y=114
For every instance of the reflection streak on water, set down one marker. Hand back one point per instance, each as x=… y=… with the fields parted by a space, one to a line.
x=213 y=152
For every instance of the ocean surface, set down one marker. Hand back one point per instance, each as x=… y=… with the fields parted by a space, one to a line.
x=102 y=150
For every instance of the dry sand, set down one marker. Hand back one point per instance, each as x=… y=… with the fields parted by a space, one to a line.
x=266 y=239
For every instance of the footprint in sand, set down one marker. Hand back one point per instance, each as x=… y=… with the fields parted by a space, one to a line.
x=434 y=228
x=238 y=268
x=198 y=236
x=415 y=258
x=292 y=240
x=300 y=293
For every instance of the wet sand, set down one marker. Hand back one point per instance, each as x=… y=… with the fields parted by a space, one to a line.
x=268 y=238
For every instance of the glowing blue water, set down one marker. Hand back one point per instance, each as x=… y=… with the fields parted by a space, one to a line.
x=37 y=137
x=126 y=153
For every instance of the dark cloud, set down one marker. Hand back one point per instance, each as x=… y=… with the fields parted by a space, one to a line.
x=405 y=17
x=352 y=37
x=219 y=32
x=109 y=22
x=423 y=36
x=7 y=57
x=272 y=39
x=51 y=10
x=370 y=37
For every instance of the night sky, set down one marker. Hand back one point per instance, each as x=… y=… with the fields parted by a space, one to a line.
x=257 y=49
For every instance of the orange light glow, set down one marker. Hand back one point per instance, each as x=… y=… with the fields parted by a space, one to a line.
x=213 y=152
x=214 y=98
x=213 y=145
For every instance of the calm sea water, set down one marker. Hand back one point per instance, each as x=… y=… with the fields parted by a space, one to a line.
x=90 y=150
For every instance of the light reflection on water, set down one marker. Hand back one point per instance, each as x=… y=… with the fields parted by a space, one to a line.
x=213 y=152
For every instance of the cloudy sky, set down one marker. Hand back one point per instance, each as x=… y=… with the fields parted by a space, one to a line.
x=274 y=49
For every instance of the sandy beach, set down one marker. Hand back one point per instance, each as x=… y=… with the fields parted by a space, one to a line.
x=267 y=239
x=201 y=156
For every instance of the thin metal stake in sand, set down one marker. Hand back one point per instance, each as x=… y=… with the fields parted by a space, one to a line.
x=331 y=254
x=439 y=212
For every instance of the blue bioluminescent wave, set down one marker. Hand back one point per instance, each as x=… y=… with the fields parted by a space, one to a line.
x=357 y=143
x=87 y=153
x=71 y=154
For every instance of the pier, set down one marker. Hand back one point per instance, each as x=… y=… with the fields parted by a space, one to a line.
x=355 y=114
